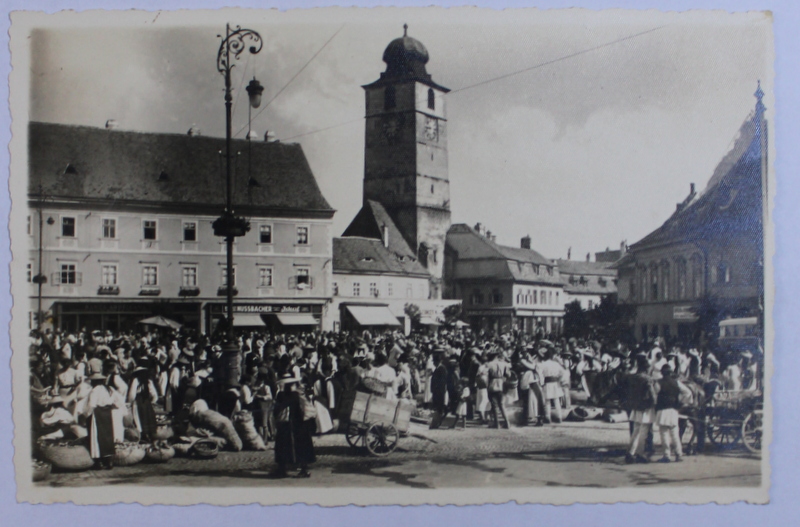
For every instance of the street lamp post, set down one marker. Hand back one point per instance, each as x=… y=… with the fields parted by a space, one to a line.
x=229 y=225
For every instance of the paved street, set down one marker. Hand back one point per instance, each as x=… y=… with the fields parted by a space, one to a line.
x=569 y=454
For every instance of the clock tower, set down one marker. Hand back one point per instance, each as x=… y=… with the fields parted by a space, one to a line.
x=405 y=160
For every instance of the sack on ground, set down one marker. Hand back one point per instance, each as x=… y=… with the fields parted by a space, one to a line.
x=245 y=427
x=220 y=424
x=324 y=424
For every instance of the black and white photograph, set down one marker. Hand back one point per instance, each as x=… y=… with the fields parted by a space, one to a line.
x=392 y=256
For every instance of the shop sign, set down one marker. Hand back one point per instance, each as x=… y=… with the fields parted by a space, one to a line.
x=683 y=313
x=267 y=308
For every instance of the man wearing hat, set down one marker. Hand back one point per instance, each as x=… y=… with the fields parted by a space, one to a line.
x=498 y=371
x=438 y=388
x=294 y=444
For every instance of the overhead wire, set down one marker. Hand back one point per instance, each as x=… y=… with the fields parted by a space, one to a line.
x=293 y=77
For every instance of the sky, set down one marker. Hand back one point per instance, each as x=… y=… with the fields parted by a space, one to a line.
x=613 y=117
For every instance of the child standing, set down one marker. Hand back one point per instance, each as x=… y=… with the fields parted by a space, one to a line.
x=461 y=407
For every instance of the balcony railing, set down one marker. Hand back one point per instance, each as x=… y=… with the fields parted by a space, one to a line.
x=223 y=291
x=108 y=290
x=150 y=290
x=187 y=290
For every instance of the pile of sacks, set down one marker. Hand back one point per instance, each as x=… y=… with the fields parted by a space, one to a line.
x=211 y=426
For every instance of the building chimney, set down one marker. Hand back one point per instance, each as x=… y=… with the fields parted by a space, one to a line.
x=489 y=234
x=111 y=124
x=478 y=227
x=385 y=236
x=194 y=130
x=588 y=257
x=623 y=248
x=525 y=242
x=269 y=137
x=691 y=189
x=252 y=134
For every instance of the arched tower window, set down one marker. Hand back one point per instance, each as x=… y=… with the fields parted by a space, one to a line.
x=431 y=99
x=389 y=98
x=665 y=280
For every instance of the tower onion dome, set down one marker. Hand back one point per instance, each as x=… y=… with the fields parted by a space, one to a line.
x=406 y=56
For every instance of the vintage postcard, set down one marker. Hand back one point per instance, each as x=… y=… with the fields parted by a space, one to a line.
x=392 y=256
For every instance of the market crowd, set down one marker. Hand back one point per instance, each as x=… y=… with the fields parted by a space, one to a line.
x=96 y=385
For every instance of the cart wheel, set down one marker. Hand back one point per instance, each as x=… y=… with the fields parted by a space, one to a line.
x=724 y=433
x=381 y=439
x=354 y=436
x=752 y=430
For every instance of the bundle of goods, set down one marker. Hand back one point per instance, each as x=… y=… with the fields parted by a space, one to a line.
x=159 y=453
x=245 y=426
x=67 y=455
x=128 y=453
x=41 y=470
x=133 y=435
x=582 y=413
x=164 y=429
x=202 y=417
x=204 y=449
x=183 y=446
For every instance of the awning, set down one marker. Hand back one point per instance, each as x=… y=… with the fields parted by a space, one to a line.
x=247 y=320
x=429 y=321
x=296 y=319
x=373 y=315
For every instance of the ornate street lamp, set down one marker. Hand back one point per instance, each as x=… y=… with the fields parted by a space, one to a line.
x=229 y=226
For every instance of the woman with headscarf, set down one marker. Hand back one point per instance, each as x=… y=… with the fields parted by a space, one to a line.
x=294 y=428
x=98 y=411
x=142 y=394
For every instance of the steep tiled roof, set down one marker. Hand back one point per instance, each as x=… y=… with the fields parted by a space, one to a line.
x=470 y=245
x=369 y=223
x=731 y=202
x=84 y=163
x=368 y=255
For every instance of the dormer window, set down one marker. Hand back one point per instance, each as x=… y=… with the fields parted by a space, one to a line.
x=163 y=176
x=431 y=99
x=368 y=259
x=69 y=169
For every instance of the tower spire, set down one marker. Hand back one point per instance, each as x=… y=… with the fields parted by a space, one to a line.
x=759 y=94
x=405 y=30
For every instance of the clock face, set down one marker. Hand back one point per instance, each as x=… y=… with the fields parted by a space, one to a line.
x=431 y=129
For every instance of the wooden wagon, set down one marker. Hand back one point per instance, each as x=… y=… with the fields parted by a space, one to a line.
x=376 y=423
x=734 y=416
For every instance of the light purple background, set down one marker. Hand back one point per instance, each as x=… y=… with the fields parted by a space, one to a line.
x=782 y=511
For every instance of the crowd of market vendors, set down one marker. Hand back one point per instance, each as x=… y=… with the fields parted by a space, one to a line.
x=105 y=387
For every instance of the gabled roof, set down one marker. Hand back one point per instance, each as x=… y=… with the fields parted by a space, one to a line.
x=730 y=204
x=470 y=245
x=369 y=223
x=85 y=163
x=368 y=255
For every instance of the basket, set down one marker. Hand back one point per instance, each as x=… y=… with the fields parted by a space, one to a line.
x=67 y=456
x=41 y=470
x=127 y=454
x=159 y=454
x=164 y=432
x=373 y=386
x=205 y=449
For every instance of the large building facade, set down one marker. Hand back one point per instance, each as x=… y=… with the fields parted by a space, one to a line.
x=709 y=252
x=405 y=163
x=126 y=231
x=502 y=288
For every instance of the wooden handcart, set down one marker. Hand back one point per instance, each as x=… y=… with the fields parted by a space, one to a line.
x=736 y=416
x=376 y=423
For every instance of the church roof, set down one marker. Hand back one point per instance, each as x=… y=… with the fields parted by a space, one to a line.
x=369 y=223
x=730 y=204
x=94 y=164
x=405 y=59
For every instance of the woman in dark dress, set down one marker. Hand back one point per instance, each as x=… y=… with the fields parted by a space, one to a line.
x=293 y=436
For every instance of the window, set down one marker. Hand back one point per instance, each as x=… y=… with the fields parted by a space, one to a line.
x=265 y=234
x=150 y=275
x=303 y=277
x=149 y=229
x=29 y=272
x=265 y=277
x=68 y=227
x=302 y=236
x=335 y=289
x=557 y=300
x=224 y=280
x=697 y=276
x=654 y=283
x=665 y=278
x=536 y=297
x=590 y=304
x=409 y=292
x=109 y=228
x=30 y=226
x=723 y=273
x=497 y=296
x=682 y=279
x=390 y=289
x=189 y=276
x=69 y=273
x=373 y=289
x=389 y=98
x=190 y=231
x=108 y=274
x=431 y=99
x=356 y=289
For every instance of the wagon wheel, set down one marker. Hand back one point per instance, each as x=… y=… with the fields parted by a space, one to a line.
x=355 y=436
x=752 y=431
x=381 y=439
x=724 y=433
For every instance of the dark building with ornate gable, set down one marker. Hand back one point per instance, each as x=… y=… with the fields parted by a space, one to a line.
x=405 y=163
x=711 y=250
